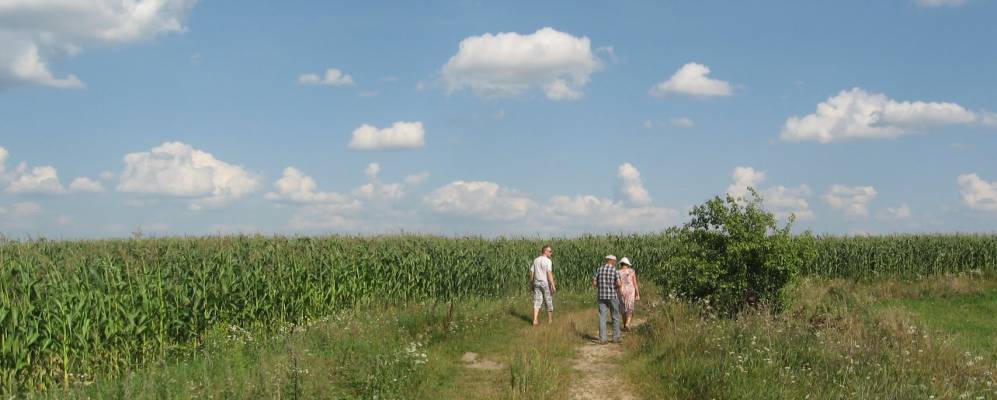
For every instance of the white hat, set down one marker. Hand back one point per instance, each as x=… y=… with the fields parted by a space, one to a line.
x=625 y=260
x=611 y=257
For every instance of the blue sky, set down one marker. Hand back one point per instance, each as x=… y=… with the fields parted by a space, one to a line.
x=198 y=117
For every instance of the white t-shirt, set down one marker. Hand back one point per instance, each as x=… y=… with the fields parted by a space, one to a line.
x=541 y=265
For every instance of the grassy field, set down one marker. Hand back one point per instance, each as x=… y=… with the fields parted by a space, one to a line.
x=838 y=339
x=403 y=352
x=76 y=312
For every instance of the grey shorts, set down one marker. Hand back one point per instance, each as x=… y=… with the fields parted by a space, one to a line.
x=541 y=294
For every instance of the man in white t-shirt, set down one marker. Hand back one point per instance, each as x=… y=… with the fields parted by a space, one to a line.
x=542 y=282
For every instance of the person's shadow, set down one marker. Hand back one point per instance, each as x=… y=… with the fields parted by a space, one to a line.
x=521 y=315
x=582 y=333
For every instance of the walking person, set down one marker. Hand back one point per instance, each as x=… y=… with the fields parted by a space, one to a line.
x=543 y=284
x=629 y=292
x=606 y=280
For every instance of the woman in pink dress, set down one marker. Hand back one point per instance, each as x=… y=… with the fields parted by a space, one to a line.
x=629 y=291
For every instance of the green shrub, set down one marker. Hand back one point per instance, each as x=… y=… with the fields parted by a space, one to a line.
x=732 y=254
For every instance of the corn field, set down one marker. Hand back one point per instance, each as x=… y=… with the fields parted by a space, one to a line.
x=71 y=311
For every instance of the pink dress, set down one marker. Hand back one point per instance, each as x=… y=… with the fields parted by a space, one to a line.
x=628 y=290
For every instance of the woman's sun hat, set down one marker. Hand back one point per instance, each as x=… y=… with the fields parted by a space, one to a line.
x=625 y=261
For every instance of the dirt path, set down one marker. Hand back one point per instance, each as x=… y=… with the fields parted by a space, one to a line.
x=584 y=369
x=601 y=375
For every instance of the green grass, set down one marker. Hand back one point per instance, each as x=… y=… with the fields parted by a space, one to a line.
x=401 y=352
x=835 y=340
x=971 y=318
x=74 y=310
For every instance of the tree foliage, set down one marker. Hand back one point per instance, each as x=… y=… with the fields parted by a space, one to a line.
x=732 y=254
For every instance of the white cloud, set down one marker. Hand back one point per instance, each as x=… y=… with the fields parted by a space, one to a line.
x=34 y=33
x=178 y=169
x=401 y=135
x=682 y=122
x=977 y=194
x=587 y=211
x=896 y=214
x=333 y=77
x=372 y=170
x=44 y=179
x=561 y=90
x=84 y=184
x=989 y=119
x=508 y=64
x=390 y=191
x=743 y=178
x=372 y=207
x=852 y=200
x=416 y=179
x=940 y=3
x=295 y=186
x=692 y=80
x=486 y=200
x=782 y=201
x=328 y=216
x=632 y=187
x=376 y=190
x=856 y=114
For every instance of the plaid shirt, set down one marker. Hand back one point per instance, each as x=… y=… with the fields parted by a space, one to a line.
x=606 y=278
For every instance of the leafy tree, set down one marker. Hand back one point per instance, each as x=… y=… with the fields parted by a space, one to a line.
x=732 y=254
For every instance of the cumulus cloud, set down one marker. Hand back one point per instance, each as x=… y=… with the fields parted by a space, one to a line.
x=377 y=190
x=682 y=122
x=416 y=179
x=745 y=177
x=178 y=169
x=84 y=184
x=34 y=33
x=896 y=214
x=41 y=180
x=29 y=180
x=586 y=211
x=401 y=135
x=508 y=64
x=940 y=3
x=295 y=186
x=633 y=212
x=693 y=80
x=632 y=187
x=852 y=200
x=857 y=114
x=782 y=201
x=977 y=193
x=332 y=77
x=371 y=207
x=483 y=199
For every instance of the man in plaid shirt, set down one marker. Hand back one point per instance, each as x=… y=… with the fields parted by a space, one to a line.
x=606 y=280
